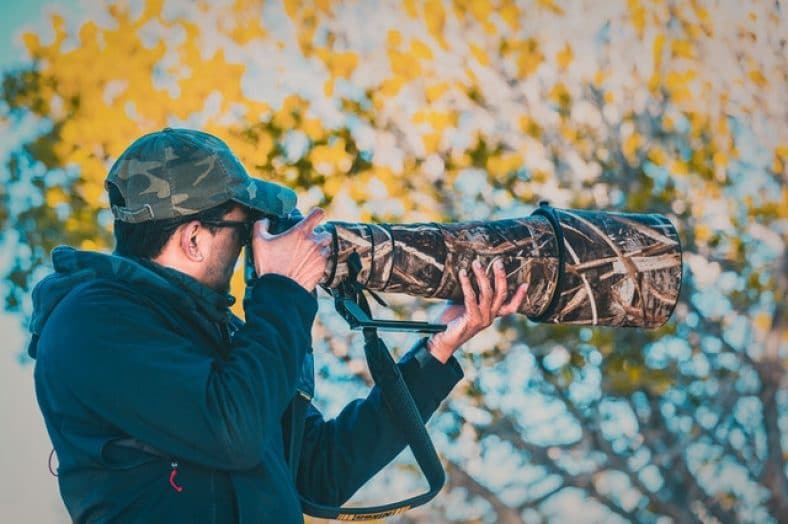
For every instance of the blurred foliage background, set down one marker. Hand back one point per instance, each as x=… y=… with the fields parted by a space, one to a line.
x=409 y=111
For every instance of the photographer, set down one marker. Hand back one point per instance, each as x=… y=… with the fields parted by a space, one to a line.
x=164 y=407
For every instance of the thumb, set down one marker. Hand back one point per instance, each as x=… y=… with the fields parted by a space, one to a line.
x=312 y=219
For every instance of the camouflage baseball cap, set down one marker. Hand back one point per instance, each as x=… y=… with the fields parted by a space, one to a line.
x=179 y=172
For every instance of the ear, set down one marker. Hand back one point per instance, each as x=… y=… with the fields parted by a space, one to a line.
x=192 y=240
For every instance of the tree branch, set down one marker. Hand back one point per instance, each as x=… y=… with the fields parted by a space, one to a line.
x=771 y=371
x=458 y=477
x=591 y=431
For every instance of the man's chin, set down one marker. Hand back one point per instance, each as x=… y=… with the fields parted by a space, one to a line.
x=221 y=287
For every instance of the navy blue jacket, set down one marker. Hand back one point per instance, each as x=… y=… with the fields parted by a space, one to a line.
x=163 y=407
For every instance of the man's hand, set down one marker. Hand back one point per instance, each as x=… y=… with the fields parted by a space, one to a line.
x=463 y=321
x=299 y=253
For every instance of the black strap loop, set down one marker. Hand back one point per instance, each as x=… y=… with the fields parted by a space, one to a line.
x=406 y=415
x=401 y=406
x=549 y=212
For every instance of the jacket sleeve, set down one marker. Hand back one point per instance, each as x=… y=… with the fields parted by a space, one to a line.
x=123 y=362
x=338 y=456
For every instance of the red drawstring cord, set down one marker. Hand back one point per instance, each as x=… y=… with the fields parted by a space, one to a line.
x=174 y=472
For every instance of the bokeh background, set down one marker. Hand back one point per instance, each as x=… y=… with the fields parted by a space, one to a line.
x=408 y=111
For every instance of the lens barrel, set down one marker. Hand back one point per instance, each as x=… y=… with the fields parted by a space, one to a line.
x=582 y=267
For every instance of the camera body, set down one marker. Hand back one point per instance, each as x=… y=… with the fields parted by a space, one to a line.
x=276 y=226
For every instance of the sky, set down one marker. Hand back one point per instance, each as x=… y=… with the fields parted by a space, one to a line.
x=15 y=16
x=28 y=492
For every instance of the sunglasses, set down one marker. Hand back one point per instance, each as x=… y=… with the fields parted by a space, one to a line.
x=244 y=228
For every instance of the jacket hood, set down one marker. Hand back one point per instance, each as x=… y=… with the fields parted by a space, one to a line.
x=74 y=267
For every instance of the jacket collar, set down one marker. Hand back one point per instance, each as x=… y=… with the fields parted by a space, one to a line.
x=73 y=267
x=215 y=305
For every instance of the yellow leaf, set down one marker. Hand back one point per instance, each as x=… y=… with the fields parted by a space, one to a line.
x=762 y=321
x=698 y=123
x=678 y=85
x=328 y=87
x=32 y=43
x=237 y=288
x=324 y=6
x=331 y=159
x=92 y=187
x=758 y=78
x=88 y=244
x=682 y=49
x=420 y=49
x=720 y=159
x=501 y=165
x=332 y=185
x=551 y=6
x=390 y=87
x=560 y=95
x=638 y=15
x=530 y=127
x=481 y=10
x=565 y=56
x=540 y=176
x=404 y=64
x=631 y=146
x=55 y=196
x=313 y=128
x=285 y=117
x=679 y=167
x=292 y=7
x=410 y=8
x=657 y=156
x=435 y=91
x=702 y=233
x=569 y=132
x=479 y=54
x=529 y=57
x=438 y=120
x=393 y=38
x=658 y=47
x=435 y=19
x=87 y=34
x=59 y=26
x=343 y=64
x=510 y=14
x=431 y=142
x=245 y=26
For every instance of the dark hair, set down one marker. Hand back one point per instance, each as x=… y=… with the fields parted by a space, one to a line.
x=147 y=239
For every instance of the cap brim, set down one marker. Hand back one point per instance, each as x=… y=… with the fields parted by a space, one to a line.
x=266 y=197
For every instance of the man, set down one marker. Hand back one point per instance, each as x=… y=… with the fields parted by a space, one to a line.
x=161 y=405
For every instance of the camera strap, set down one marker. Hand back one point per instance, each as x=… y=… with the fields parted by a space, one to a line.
x=403 y=410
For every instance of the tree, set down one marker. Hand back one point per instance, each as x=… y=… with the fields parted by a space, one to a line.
x=432 y=110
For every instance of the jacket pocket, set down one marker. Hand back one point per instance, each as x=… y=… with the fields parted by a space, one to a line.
x=127 y=453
